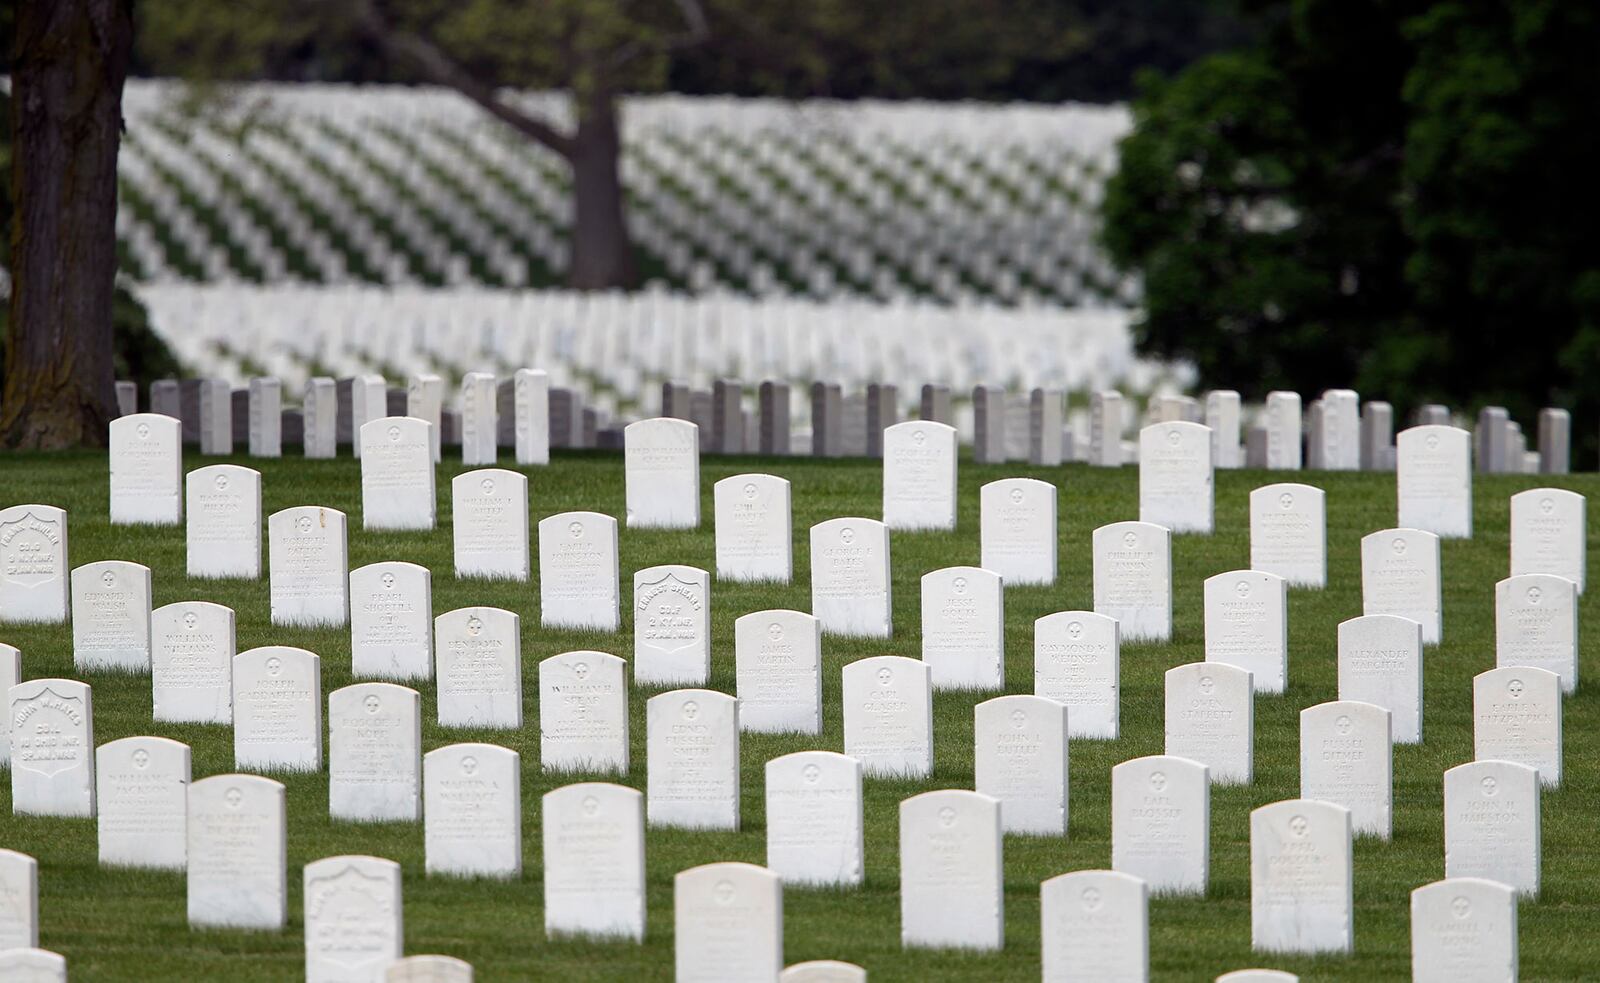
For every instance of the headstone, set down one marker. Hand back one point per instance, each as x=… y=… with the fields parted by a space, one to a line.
x=146 y=455
x=1516 y=716
x=1555 y=441
x=1377 y=436
x=814 y=819
x=10 y=675
x=1490 y=439
x=375 y=753
x=963 y=628
x=1175 y=479
x=19 y=901
x=578 y=585
x=951 y=875
x=1258 y=976
x=353 y=918
x=1077 y=662
x=1492 y=825
x=883 y=412
x=165 y=399
x=1020 y=759
x=477 y=655
x=1017 y=530
x=1433 y=471
x=1044 y=427
x=1289 y=534
x=1255 y=448
x=1347 y=758
x=530 y=393
x=692 y=759
x=778 y=671
x=850 y=585
x=700 y=414
x=33 y=564
x=433 y=969
x=277 y=709
x=397 y=489
x=266 y=418
x=191 y=662
x=1380 y=662
x=827 y=420
x=594 y=873
x=566 y=418
x=1463 y=930
x=934 y=405
x=1400 y=575
x=753 y=528
x=672 y=625
x=583 y=712
x=1161 y=823
x=223 y=531
x=919 y=475
x=1247 y=625
x=728 y=923
x=1222 y=418
x=1549 y=534
x=989 y=435
x=391 y=621
x=1095 y=927
x=727 y=426
x=1283 y=431
x=888 y=716
x=1210 y=718
x=141 y=787
x=773 y=398
x=31 y=965
x=1105 y=429
x=472 y=811
x=489 y=523
x=661 y=468
x=425 y=401
x=127 y=405
x=1432 y=414
x=292 y=426
x=1301 y=875
x=1133 y=579
x=823 y=971
x=1536 y=624
x=52 y=747
x=369 y=400
x=308 y=566
x=111 y=616
x=1341 y=430
x=478 y=419
x=238 y=853
x=321 y=413
x=216 y=416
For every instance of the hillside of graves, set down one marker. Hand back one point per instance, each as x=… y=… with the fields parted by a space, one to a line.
x=475 y=883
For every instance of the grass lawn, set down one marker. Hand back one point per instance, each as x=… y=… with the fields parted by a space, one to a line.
x=130 y=925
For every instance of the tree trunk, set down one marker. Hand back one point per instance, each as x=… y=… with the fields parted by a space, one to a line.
x=68 y=67
x=602 y=251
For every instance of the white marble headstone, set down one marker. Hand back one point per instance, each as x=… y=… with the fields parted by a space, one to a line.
x=1492 y=824
x=52 y=747
x=223 y=530
x=814 y=819
x=1175 y=476
x=1433 y=475
x=1548 y=534
x=237 y=834
x=1077 y=661
x=391 y=621
x=1095 y=928
x=888 y=716
x=1289 y=533
x=1536 y=624
x=778 y=671
x=1020 y=759
x=692 y=759
x=1210 y=718
x=277 y=709
x=472 y=811
x=479 y=418
x=141 y=790
x=530 y=394
x=191 y=662
x=1301 y=878
x=10 y=675
x=1133 y=579
x=19 y=901
x=1247 y=625
x=753 y=528
x=31 y=965
x=431 y=969
x=353 y=918
x=728 y=923
x=266 y=417
x=321 y=415
x=397 y=489
x=1283 y=425
x=963 y=628
x=478 y=667
x=146 y=455
x=850 y=582
x=951 y=874
x=1380 y=662
x=823 y=971
x=375 y=753
x=594 y=874
x=1400 y=575
x=111 y=616
x=1463 y=930
x=309 y=567
x=1017 y=530
x=661 y=470
x=578 y=579
x=1347 y=758
x=583 y=712
x=672 y=625
x=425 y=401
x=1161 y=823
x=33 y=564
x=919 y=475
x=1516 y=716
x=489 y=523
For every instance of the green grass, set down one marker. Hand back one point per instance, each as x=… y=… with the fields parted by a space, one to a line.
x=129 y=925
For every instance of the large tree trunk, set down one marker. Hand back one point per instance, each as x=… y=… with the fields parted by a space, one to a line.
x=602 y=252
x=68 y=67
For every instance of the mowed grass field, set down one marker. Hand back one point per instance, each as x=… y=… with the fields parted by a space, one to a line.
x=130 y=925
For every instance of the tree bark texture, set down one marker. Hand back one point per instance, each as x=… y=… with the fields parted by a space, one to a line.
x=602 y=250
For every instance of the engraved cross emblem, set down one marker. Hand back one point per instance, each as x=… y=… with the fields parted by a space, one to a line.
x=1091 y=898
x=1399 y=547
x=1075 y=629
x=190 y=620
x=233 y=797
x=394 y=434
x=947 y=817
x=1490 y=786
x=811 y=773
x=141 y=759
x=1242 y=588
x=591 y=805
x=1130 y=539
x=487 y=485
x=143 y=430
x=1514 y=689
x=959 y=585
x=1016 y=496
x=1019 y=719
x=1460 y=907
x=724 y=893
x=775 y=631
x=581 y=670
x=1343 y=724
x=1207 y=684
x=371 y=703
x=847 y=536
x=222 y=482
x=109 y=579
x=1174 y=437
x=1300 y=826
x=474 y=625
x=691 y=710
x=1285 y=501
x=750 y=489
x=918 y=437
x=885 y=677
x=1158 y=781
x=469 y=765
x=388 y=581
x=575 y=530
x=274 y=666
x=1534 y=595
x=303 y=523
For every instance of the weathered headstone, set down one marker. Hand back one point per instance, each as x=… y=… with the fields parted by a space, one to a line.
x=583 y=712
x=1095 y=926
x=223 y=528
x=216 y=416
x=237 y=834
x=1247 y=625
x=888 y=716
x=425 y=401
x=191 y=662
x=1105 y=429
x=814 y=819
x=1017 y=530
x=33 y=564
x=321 y=412
x=1492 y=824
x=266 y=418
x=146 y=456
x=277 y=709
x=1516 y=716
x=594 y=874
x=477 y=657
x=1077 y=662
x=727 y=423
x=919 y=475
x=1380 y=662
x=1489 y=439
x=1175 y=477
x=1400 y=575
x=1283 y=427
x=1044 y=427
x=308 y=566
x=823 y=971
x=391 y=621
x=19 y=901
x=489 y=523
x=850 y=584
x=530 y=393
x=52 y=747
x=661 y=469
x=111 y=616
x=1377 y=436
x=1433 y=474
x=753 y=528
x=1536 y=624
x=479 y=409
x=1341 y=430
x=728 y=923
x=989 y=433
x=692 y=759
x=1549 y=534
x=369 y=400
x=353 y=918
x=934 y=404
x=1020 y=759
x=963 y=628
x=472 y=811
x=1133 y=579
x=1222 y=418
x=127 y=403
x=1161 y=823
x=1463 y=930
x=1258 y=976
x=433 y=969
x=1347 y=758
x=1301 y=878
x=141 y=790
x=672 y=625
x=578 y=586
x=397 y=490
x=1555 y=441
x=1289 y=533
x=778 y=671
x=1210 y=718
x=773 y=398
x=375 y=753
x=951 y=875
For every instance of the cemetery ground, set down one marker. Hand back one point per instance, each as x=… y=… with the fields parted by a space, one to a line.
x=130 y=925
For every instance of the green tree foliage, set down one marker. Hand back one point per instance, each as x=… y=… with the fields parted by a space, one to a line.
x=1397 y=196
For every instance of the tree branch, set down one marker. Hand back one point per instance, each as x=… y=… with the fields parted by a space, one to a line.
x=441 y=69
x=695 y=30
